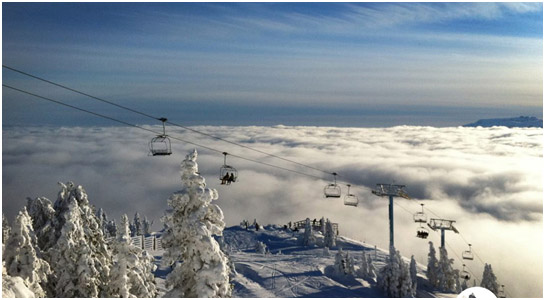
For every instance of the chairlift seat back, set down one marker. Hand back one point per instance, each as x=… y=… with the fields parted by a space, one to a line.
x=351 y=200
x=160 y=145
x=332 y=191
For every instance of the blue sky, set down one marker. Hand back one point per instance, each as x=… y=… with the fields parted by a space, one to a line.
x=339 y=64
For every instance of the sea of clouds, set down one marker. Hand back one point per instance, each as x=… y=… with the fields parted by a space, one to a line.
x=489 y=180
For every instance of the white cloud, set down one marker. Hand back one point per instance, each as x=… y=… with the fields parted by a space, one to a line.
x=488 y=180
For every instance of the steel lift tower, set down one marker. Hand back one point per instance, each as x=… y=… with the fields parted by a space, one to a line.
x=390 y=190
x=443 y=225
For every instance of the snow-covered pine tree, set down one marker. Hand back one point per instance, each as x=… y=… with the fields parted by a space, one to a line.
x=308 y=237
x=433 y=265
x=406 y=287
x=102 y=220
x=349 y=264
x=146 y=226
x=132 y=271
x=137 y=221
x=42 y=214
x=78 y=256
x=5 y=231
x=322 y=225
x=394 y=277
x=340 y=263
x=329 y=237
x=111 y=228
x=445 y=273
x=261 y=248
x=489 y=280
x=22 y=256
x=458 y=287
x=14 y=286
x=192 y=220
x=414 y=278
x=364 y=268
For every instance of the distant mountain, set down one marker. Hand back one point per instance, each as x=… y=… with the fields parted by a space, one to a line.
x=521 y=121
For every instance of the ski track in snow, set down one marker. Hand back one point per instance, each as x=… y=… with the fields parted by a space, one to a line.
x=298 y=271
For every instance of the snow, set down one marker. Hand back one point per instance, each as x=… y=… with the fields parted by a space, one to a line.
x=293 y=270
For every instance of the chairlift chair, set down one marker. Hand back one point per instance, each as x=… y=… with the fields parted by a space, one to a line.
x=468 y=254
x=226 y=169
x=422 y=232
x=350 y=199
x=160 y=145
x=465 y=274
x=332 y=190
x=420 y=217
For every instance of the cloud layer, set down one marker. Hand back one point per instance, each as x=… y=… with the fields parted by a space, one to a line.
x=487 y=179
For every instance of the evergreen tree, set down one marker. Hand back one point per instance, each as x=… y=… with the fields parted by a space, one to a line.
x=308 y=237
x=5 y=230
x=394 y=278
x=78 y=255
x=146 y=226
x=445 y=274
x=489 y=280
x=132 y=271
x=349 y=264
x=137 y=225
x=22 y=256
x=340 y=263
x=433 y=265
x=458 y=287
x=322 y=225
x=261 y=248
x=14 y=286
x=192 y=220
x=364 y=268
x=43 y=217
x=111 y=228
x=414 y=278
x=329 y=237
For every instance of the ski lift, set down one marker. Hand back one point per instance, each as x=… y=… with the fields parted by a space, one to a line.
x=350 y=199
x=501 y=292
x=465 y=274
x=332 y=190
x=422 y=232
x=228 y=174
x=160 y=145
x=468 y=254
x=420 y=217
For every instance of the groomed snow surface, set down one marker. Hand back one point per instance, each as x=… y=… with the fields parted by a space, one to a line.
x=291 y=270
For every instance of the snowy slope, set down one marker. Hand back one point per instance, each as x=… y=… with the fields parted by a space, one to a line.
x=509 y=122
x=290 y=270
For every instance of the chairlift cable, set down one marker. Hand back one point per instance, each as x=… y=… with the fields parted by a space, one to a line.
x=153 y=117
x=156 y=132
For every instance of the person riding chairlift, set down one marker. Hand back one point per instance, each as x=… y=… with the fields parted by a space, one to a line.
x=231 y=178
x=225 y=178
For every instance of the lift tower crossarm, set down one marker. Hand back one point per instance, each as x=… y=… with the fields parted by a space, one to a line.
x=442 y=225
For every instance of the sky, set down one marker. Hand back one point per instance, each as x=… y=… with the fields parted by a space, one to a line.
x=489 y=180
x=325 y=64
